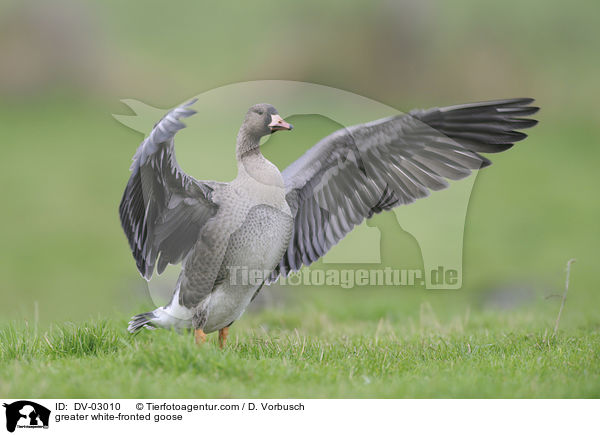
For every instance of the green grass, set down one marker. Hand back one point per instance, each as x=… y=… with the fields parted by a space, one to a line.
x=529 y=213
x=64 y=165
x=306 y=352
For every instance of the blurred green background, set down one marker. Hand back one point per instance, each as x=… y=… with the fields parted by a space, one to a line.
x=64 y=66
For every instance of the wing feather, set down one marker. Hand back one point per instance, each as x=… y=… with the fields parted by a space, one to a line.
x=163 y=208
x=368 y=168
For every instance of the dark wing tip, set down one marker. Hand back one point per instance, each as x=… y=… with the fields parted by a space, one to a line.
x=507 y=102
x=483 y=127
x=485 y=162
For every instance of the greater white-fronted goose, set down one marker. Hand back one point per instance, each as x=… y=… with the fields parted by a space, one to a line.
x=270 y=222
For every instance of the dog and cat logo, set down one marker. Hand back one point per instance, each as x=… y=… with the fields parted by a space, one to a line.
x=25 y=414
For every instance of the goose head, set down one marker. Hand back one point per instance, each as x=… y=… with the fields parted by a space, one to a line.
x=263 y=119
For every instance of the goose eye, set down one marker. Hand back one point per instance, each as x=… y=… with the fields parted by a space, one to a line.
x=260 y=112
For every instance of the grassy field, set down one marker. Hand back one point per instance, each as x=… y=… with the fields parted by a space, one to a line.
x=306 y=352
x=69 y=284
x=490 y=339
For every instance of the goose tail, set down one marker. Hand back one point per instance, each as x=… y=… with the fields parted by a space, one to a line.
x=143 y=320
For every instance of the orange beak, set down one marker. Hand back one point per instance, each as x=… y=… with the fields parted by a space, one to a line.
x=277 y=123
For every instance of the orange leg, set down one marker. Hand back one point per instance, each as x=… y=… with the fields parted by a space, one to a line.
x=223 y=333
x=200 y=336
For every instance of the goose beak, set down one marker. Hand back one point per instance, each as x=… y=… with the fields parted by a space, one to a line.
x=277 y=123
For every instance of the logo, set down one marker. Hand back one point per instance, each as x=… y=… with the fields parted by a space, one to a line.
x=26 y=414
x=432 y=229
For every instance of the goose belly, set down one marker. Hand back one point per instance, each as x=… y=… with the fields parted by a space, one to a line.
x=253 y=251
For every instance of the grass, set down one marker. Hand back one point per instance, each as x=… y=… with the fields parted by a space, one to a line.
x=70 y=259
x=307 y=353
x=65 y=165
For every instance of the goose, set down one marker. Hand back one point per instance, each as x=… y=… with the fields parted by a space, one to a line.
x=272 y=223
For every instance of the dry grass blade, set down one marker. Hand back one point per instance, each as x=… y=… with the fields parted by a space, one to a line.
x=564 y=296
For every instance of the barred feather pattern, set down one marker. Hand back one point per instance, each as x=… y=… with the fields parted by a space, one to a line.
x=366 y=169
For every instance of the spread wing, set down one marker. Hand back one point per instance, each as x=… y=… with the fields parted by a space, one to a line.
x=365 y=169
x=163 y=208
